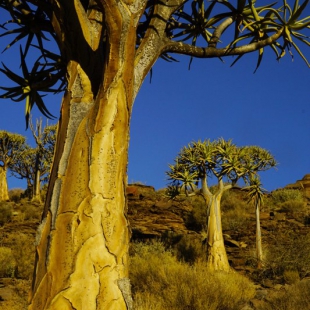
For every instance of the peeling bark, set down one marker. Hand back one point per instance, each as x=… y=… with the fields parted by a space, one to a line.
x=216 y=254
x=82 y=243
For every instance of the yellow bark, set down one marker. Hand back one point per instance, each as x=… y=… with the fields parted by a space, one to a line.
x=216 y=254
x=4 y=193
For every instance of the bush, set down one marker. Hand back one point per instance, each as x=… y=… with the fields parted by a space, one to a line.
x=196 y=220
x=161 y=282
x=284 y=197
x=235 y=210
x=291 y=276
x=6 y=212
x=190 y=249
x=293 y=250
x=7 y=263
x=292 y=206
x=23 y=249
x=296 y=297
x=15 y=194
x=31 y=211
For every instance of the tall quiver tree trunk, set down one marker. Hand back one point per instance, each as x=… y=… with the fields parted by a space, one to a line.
x=216 y=253
x=36 y=190
x=259 y=249
x=82 y=248
x=4 y=192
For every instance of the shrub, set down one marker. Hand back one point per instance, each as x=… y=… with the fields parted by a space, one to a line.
x=161 y=282
x=235 y=210
x=196 y=220
x=292 y=206
x=15 y=194
x=291 y=276
x=291 y=250
x=7 y=263
x=190 y=249
x=296 y=297
x=284 y=197
x=32 y=212
x=23 y=250
x=6 y=212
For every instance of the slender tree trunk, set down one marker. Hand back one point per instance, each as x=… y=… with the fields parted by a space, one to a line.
x=259 y=250
x=36 y=184
x=4 y=192
x=216 y=254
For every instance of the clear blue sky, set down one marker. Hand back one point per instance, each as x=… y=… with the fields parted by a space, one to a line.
x=270 y=108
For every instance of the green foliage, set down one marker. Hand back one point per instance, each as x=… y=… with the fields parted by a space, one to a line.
x=253 y=28
x=6 y=212
x=11 y=144
x=199 y=161
x=161 y=282
x=39 y=159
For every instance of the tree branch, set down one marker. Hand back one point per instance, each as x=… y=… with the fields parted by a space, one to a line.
x=210 y=52
x=219 y=31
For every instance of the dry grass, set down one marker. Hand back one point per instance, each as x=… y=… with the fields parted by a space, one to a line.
x=6 y=212
x=7 y=263
x=23 y=249
x=160 y=282
x=296 y=297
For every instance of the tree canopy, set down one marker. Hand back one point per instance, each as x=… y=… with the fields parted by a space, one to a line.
x=202 y=161
x=11 y=145
x=194 y=28
x=34 y=163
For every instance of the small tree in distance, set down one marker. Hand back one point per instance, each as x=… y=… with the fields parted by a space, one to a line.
x=256 y=195
x=200 y=161
x=34 y=164
x=11 y=145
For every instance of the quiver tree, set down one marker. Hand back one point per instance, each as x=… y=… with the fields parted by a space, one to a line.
x=44 y=151
x=255 y=193
x=34 y=164
x=105 y=50
x=11 y=145
x=202 y=161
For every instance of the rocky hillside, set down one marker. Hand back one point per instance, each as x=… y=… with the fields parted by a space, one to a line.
x=153 y=216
